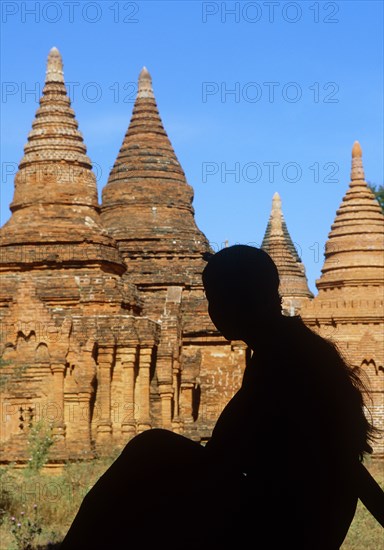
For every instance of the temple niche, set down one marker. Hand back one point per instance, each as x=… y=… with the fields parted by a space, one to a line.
x=104 y=324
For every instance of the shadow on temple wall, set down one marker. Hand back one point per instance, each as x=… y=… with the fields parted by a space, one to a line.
x=283 y=467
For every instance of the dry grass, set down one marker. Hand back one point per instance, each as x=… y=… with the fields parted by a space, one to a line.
x=58 y=498
x=365 y=532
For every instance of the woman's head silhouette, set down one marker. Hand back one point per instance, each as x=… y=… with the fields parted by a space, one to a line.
x=241 y=284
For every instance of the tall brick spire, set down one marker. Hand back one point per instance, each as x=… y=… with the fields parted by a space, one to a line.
x=55 y=136
x=146 y=152
x=55 y=199
x=278 y=244
x=147 y=202
x=354 y=252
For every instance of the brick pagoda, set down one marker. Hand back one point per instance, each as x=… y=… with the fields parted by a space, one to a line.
x=278 y=244
x=349 y=306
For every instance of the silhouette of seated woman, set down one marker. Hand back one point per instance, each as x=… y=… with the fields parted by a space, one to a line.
x=283 y=466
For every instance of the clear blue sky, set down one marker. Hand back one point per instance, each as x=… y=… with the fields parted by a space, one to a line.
x=256 y=97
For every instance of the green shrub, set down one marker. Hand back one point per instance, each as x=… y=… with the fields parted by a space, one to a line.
x=40 y=440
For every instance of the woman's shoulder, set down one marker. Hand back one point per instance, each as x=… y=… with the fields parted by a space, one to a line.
x=301 y=337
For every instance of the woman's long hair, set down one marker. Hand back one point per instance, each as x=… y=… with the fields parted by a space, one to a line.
x=346 y=395
x=365 y=433
x=246 y=275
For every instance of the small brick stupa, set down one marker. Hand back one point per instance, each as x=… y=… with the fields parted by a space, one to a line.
x=278 y=244
x=350 y=303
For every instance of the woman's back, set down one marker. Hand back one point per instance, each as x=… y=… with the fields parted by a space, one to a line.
x=287 y=430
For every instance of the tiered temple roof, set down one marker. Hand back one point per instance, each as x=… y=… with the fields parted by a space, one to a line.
x=55 y=189
x=354 y=252
x=147 y=202
x=279 y=245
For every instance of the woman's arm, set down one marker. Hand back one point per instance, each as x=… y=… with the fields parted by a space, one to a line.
x=371 y=494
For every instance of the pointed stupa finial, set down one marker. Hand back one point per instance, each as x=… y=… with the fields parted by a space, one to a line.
x=145 y=84
x=357 y=172
x=54 y=71
x=278 y=244
x=276 y=215
x=276 y=202
x=55 y=127
x=356 y=150
x=355 y=246
x=144 y=74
